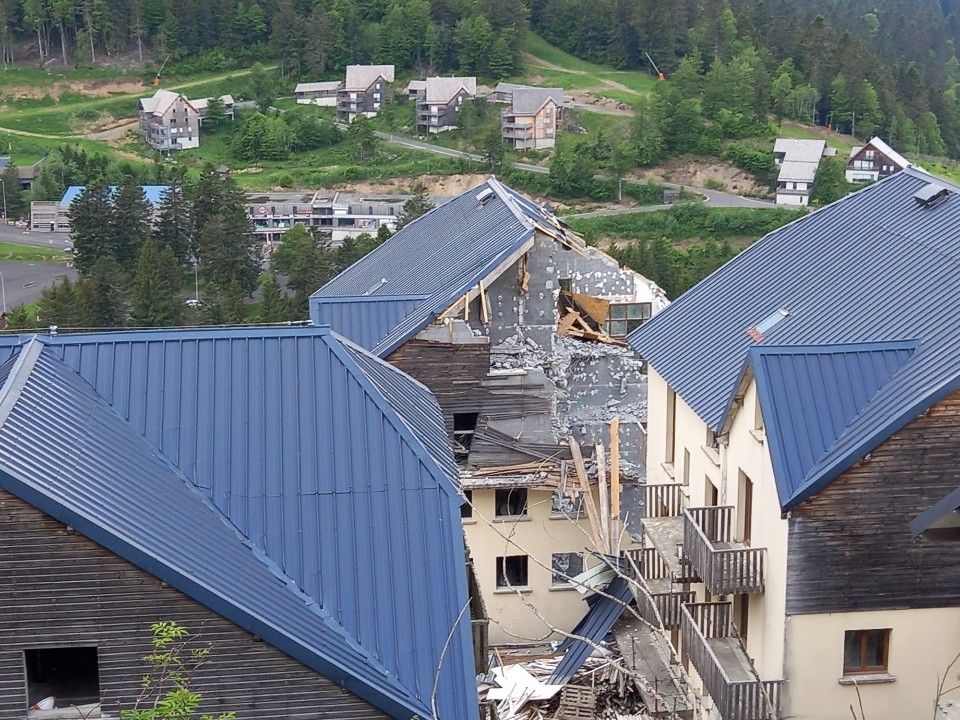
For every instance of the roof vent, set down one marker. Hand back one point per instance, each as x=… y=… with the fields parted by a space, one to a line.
x=931 y=195
x=483 y=197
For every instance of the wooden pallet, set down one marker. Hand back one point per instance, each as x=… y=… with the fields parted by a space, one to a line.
x=577 y=703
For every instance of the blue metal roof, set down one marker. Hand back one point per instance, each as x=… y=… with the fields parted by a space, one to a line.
x=810 y=394
x=321 y=457
x=603 y=613
x=426 y=267
x=153 y=193
x=876 y=266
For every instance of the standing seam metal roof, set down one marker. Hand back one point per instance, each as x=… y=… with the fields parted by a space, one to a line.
x=438 y=257
x=320 y=456
x=875 y=266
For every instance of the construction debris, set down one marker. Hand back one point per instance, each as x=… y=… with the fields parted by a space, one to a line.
x=603 y=688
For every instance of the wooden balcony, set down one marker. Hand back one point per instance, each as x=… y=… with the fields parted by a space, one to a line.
x=663 y=500
x=727 y=567
x=662 y=608
x=708 y=643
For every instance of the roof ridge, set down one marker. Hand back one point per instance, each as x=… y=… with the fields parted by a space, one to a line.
x=17 y=378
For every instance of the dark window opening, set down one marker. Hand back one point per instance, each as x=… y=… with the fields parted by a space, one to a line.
x=865 y=651
x=70 y=675
x=566 y=504
x=466 y=510
x=511 y=503
x=512 y=571
x=566 y=566
x=464 y=427
x=566 y=284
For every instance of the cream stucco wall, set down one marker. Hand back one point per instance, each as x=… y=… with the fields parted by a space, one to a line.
x=922 y=645
x=539 y=535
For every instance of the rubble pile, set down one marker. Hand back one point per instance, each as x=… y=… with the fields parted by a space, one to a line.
x=603 y=688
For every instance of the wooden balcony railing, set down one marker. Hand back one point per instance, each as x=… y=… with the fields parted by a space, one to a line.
x=663 y=606
x=743 y=698
x=726 y=567
x=663 y=500
x=653 y=566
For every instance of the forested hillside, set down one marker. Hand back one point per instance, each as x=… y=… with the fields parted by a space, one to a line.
x=885 y=67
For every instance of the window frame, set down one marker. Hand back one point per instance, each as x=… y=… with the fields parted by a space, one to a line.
x=864 y=669
x=498 y=494
x=629 y=316
x=503 y=581
x=561 y=582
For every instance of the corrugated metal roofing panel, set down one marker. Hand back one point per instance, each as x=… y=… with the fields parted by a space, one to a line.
x=875 y=266
x=363 y=320
x=810 y=394
x=295 y=442
x=598 y=621
x=64 y=450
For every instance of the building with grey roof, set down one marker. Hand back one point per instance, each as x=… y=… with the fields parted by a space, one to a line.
x=440 y=101
x=534 y=117
x=365 y=90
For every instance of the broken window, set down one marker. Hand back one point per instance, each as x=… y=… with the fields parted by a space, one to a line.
x=466 y=510
x=566 y=284
x=62 y=677
x=565 y=566
x=512 y=571
x=624 y=318
x=464 y=427
x=865 y=651
x=511 y=503
x=566 y=504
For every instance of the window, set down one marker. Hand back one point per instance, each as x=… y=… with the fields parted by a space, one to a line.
x=623 y=318
x=511 y=503
x=512 y=571
x=566 y=504
x=565 y=566
x=865 y=651
x=671 y=422
x=71 y=675
x=566 y=284
x=686 y=467
x=466 y=510
x=464 y=427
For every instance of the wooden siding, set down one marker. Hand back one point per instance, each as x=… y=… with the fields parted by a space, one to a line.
x=58 y=588
x=850 y=546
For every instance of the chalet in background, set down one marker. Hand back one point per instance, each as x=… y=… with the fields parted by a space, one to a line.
x=281 y=492
x=365 y=90
x=517 y=327
x=873 y=161
x=169 y=121
x=440 y=101
x=802 y=443
x=534 y=117
x=798 y=161
x=318 y=93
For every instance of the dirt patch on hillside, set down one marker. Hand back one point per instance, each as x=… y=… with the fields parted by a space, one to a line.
x=91 y=88
x=698 y=173
x=435 y=184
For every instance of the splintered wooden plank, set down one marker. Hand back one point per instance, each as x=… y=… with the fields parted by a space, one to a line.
x=588 y=500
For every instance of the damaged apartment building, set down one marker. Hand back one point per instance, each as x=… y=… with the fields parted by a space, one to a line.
x=517 y=326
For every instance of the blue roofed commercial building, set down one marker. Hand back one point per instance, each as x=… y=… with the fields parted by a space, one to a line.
x=280 y=492
x=803 y=415
x=518 y=328
x=54 y=215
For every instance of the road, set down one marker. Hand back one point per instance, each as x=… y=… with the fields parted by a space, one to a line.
x=54 y=241
x=22 y=283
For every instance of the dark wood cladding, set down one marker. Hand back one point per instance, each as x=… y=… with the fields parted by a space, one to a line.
x=850 y=546
x=59 y=589
x=457 y=375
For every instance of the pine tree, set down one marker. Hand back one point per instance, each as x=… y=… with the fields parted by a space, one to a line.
x=19 y=319
x=90 y=227
x=227 y=251
x=102 y=295
x=129 y=224
x=60 y=305
x=174 y=226
x=273 y=307
x=234 y=309
x=415 y=206
x=154 y=298
x=13 y=200
x=307 y=260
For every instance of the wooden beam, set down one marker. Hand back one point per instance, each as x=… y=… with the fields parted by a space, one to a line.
x=566 y=322
x=601 y=458
x=615 y=471
x=588 y=500
x=484 y=310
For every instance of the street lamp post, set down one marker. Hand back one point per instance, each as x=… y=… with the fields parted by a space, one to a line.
x=3 y=289
x=5 y=221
